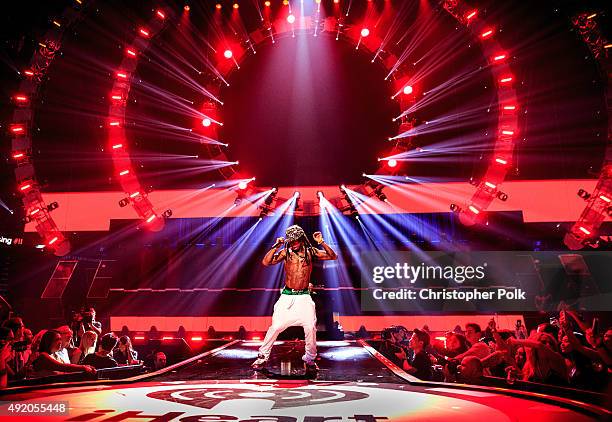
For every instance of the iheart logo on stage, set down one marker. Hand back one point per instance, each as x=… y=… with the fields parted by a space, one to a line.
x=208 y=398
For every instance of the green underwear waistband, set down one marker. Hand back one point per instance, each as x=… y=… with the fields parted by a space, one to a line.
x=287 y=291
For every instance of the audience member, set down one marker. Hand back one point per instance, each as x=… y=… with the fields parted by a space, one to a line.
x=65 y=351
x=160 y=361
x=124 y=353
x=420 y=364
x=47 y=364
x=102 y=358
x=86 y=347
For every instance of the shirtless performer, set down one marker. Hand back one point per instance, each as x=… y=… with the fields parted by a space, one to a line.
x=295 y=306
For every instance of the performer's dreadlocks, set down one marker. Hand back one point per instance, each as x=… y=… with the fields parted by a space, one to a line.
x=294 y=233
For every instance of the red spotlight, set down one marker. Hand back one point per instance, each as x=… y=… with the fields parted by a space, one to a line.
x=498 y=58
x=144 y=32
x=117 y=146
x=291 y=18
x=206 y=122
x=122 y=75
x=236 y=6
x=17 y=129
x=267 y=3
x=506 y=79
x=124 y=173
x=392 y=163
x=18 y=155
x=487 y=33
x=471 y=15
x=20 y=99
x=285 y=2
x=161 y=14
x=52 y=241
x=365 y=32
x=242 y=185
x=115 y=123
x=25 y=187
x=408 y=90
x=28 y=73
x=584 y=230
x=196 y=338
x=501 y=161
x=474 y=209
x=228 y=54
x=151 y=218
x=131 y=52
x=218 y=6
x=186 y=8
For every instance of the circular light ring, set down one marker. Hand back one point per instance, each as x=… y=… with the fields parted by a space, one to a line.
x=507 y=120
x=20 y=128
x=118 y=143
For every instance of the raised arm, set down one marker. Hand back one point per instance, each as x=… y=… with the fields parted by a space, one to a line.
x=327 y=254
x=272 y=257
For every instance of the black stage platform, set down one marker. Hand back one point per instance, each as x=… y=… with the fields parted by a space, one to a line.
x=354 y=383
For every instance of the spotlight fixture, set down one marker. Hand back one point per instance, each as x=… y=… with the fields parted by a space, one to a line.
x=52 y=206
x=296 y=194
x=228 y=54
x=218 y=6
x=455 y=208
x=502 y=196
x=206 y=122
x=365 y=32
x=408 y=90
x=242 y=185
x=392 y=163
x=584 y=194
x=186 y=8
x=291 y=18
x=167 y=213
x=320 y=194
x=236 y=6
x=267 y=3
x=124 y=202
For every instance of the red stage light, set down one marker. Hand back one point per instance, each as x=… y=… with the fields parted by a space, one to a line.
x=508 y=132
x=365 y=32
x=130 y=52
x=34 y=212
x=196 y=338
x=122 y=75
x=509 y=107
x=20 y=99
x=139 y=338
x=584 y=230
x=218 y=6
x=17 y=129
x=506 y=79
x=501 y=161
x=228 y=54
x=117 y=97
x=474 y=209
x=499 y=57
x=605 y=198
x=242 y=185
x=236 y=6
x=256 y=338
x=144 y=32
x=161 y=14
x=486 y=33
x=392 y=162
x=117 y=146
x=167 y=338
x=187 y=8
x=471 y=15
x=115 y=123
x=18 y=155
x=124 y=172
x=25 y=187
x=151 y=218
x=206 y=122
x=336 y=1
x=134 y=195
x=408 y=90
x=52 y=241
x=291 y=18
x=28 y=72
x=267 y=3
x=490 y=185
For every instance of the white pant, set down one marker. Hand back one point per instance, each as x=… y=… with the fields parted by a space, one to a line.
x=291 y=310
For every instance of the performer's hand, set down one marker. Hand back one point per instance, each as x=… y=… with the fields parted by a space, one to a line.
x=318 y=237
x=279 y=241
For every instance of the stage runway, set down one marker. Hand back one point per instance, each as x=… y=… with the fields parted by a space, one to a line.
x=353 y=382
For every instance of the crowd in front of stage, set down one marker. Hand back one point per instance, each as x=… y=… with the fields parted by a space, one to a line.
x=567 y=351
x=79 y=346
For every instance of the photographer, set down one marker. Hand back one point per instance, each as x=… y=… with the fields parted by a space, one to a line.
x=420 y=364
x=391 y=346
x=84 y=320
